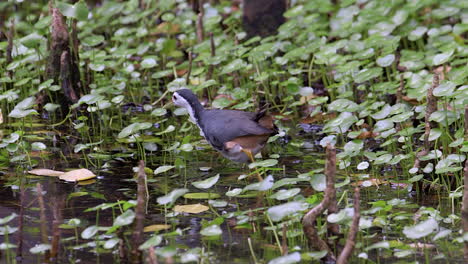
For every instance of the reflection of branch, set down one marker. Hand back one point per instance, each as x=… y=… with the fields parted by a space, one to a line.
x=139 y=213
x=351 y=241
x=43 y=219
x=152 y=258
x=19 y=250
x=57 y=206
x=308 y=221
x=464 y=212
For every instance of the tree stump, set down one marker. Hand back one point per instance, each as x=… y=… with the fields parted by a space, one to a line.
x=263 y=17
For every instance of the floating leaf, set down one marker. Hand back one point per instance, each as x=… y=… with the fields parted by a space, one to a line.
x=422 y=229
x=156 y=228
x=318 y=182
x=111 y=243
x=363 y=165
x=125 y=219
x=234 y=192
x=285 y=194
x=46 y=172
x=89 y=232
x=6 y=246
x=264 y=185
x=201 y=196
x=133 y=128
x=288 y=259
x=40 y=248
x=77 y=175
x=6 y=230
x=263 y=163
x=207 y=183
x=278 y=212
x=171 y=197
x=212 y=230
x=217 y=203
x=7 y=219
x=191 y=208
x=38 y=146
x=151 y=242
x=342 y=216
x=162 y=169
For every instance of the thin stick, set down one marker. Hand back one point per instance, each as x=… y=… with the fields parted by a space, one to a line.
x=330 y=172
x=351 y=241
x=464 y=210
x=284 y=242
x=200 y=30
x=308 y=221
x=190 y=57
x=139 y=213
x=213 y=53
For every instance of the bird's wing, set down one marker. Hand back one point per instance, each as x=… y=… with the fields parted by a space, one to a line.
x=224 y=125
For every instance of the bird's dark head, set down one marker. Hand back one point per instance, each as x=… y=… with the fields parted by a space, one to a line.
x=184 y=98
x=187 y=99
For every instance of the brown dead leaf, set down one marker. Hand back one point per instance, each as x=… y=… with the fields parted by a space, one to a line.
x=77 y=175
x=156 y=228
x=367 y=134
x=410 y=100
x=167 y=28
x=181 y=72
x=46 y=172
x=191 y=208
x=318 y=118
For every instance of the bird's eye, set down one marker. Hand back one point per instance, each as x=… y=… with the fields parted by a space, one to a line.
x=174 y=98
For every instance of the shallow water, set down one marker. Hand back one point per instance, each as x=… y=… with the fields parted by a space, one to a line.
x=18 y=195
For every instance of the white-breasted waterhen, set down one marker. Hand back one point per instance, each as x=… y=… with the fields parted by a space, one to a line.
x=237 y=135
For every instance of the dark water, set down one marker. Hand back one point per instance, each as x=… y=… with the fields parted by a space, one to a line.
x=18 y=195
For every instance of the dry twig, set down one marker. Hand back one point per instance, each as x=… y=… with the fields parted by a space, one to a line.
x=351 y=240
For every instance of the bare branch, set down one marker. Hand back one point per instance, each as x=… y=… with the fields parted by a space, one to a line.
x=351 y=241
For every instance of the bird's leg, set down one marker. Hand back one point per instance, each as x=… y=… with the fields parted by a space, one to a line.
x=249 y=154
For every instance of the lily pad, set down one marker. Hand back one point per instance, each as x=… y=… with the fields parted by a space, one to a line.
x=422 y=229
x=171 y=197
x=77 y=175
x=191 y=208
x=212 y=230
x=207 y=183
x=278 y=212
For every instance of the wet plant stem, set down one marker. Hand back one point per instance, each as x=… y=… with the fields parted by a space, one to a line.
x=275 y=234
x=252 y=252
